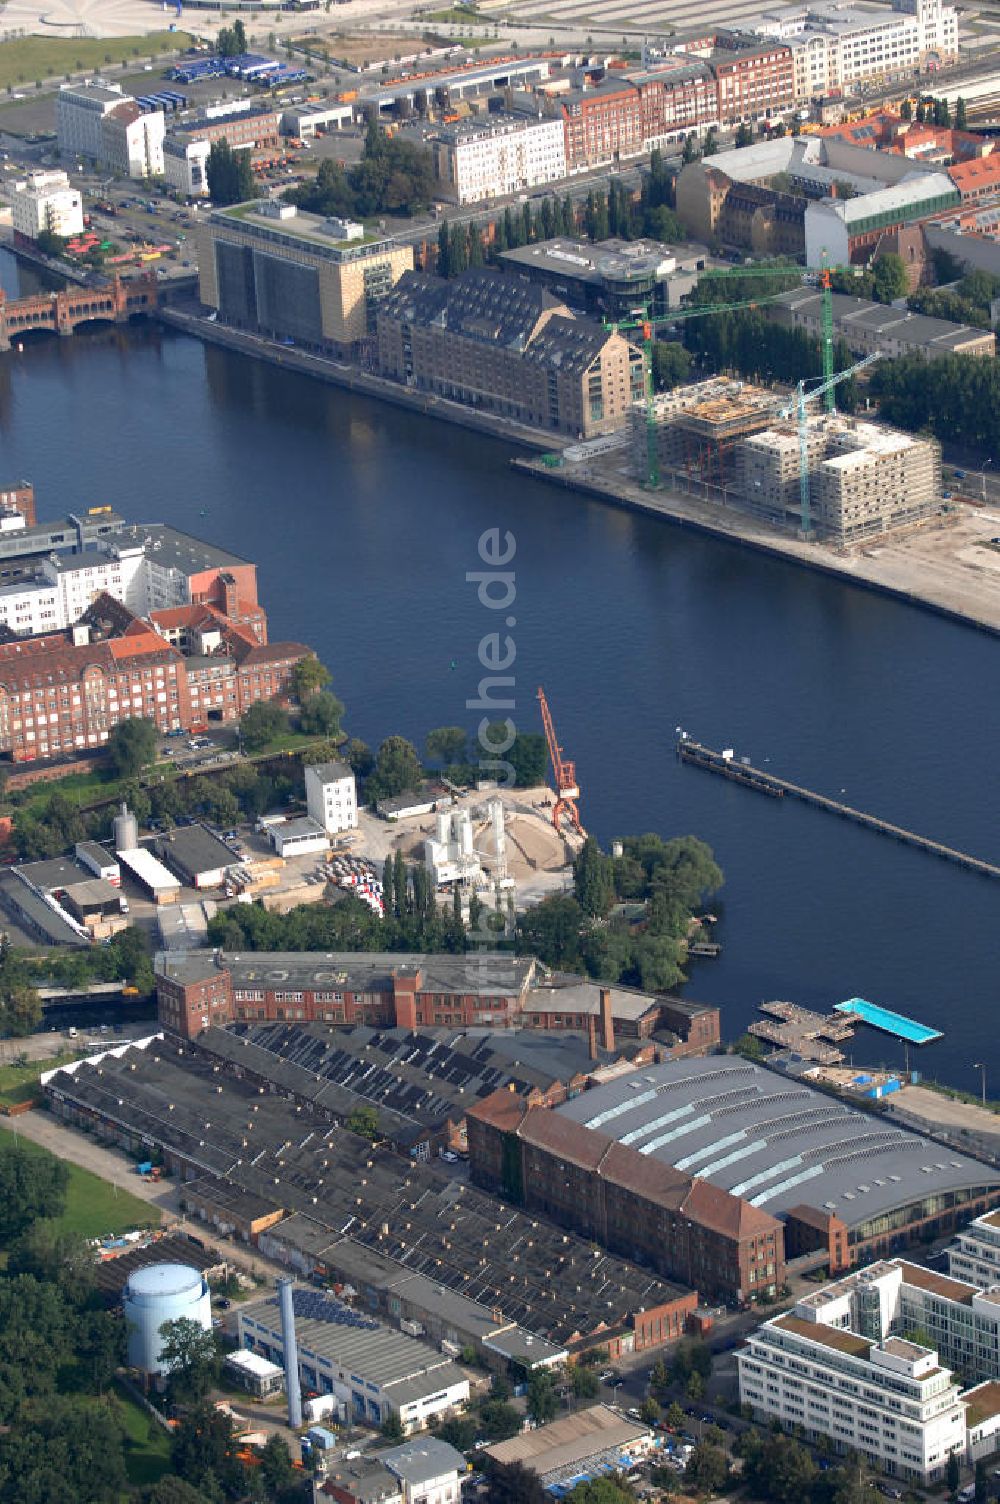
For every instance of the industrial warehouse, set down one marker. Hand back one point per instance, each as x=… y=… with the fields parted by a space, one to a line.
x=716 y=1171
x=253 y=1163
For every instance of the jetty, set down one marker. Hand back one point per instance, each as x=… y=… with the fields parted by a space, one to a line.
x=727 y=766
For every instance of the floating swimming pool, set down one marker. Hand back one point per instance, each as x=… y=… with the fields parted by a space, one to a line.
x=891 y=1023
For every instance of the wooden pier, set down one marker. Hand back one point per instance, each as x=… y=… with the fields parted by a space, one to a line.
x=781 y=788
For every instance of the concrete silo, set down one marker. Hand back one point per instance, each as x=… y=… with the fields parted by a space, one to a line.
x=157 y=1294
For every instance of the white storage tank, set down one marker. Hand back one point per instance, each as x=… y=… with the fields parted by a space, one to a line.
x=126 y=830
x=154 y=1295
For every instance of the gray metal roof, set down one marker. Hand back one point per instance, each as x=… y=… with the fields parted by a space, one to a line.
x=775 y=1142
x=423 y=1459
x=171 y=549
x=193 y=850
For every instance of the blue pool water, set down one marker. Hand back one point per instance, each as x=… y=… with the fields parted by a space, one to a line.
x=892 y=1023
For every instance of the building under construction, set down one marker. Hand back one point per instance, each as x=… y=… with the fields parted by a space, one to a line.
x=727 y=441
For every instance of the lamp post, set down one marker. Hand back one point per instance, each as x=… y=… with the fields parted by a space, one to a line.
x=985 y=463
x=979 y=1066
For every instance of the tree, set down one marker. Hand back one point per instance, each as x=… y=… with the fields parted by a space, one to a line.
x=695 y=1387
x=593 y=880
x=649 y=1410
x=690 y=152
x=32 y=1185
x=20 y=1011
x=527 y=756
x=675 y=1417
x=542 y=1399
x=584 y=1382
x=710 y=145
x=671 y=364
x=953 y=1473
x=261 y=724
x=320 y=714
x=359 y=758
x=131 y=746
x=189 y=1356
x=513 y=1483
x=63 y=1451
x=961 y=115
x=499 y=1420
x=889 y=277
x=171 y=1490
x=308 y=676
x=459 y=1432
x=204 y=1445
x=49 y=243
x=906 y=110
x=550 y=930
x=229 y=174
x=392 y=1427
x=446 y=745
x=602 y=1491
x=744 y=135
x=364 y=1122
x=397 y=769
x=983 y=1490
x=276 y=1467
x=707 y=1468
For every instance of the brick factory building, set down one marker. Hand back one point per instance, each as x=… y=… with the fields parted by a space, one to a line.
x=494 y=990
x=714 y=1170
x=414 y=1240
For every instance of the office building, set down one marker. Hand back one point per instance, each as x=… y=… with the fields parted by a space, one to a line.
x=373 y=1371
x=332 y=797
x=975 y=1254
x=185 y=165
x=677 y=1162
x=100 y=121
x=838 y=47
x=602 y=124
x=429 y=1470
x=676 y=98
x=502 y=345
x=610 y=279
x=273 y=270
x=886 y=1398
x=46 y=202
x=494 y=156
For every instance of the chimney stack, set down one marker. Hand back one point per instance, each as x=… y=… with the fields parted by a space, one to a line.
x=607 y=1023
x=291 y=1352
x=592 y=1037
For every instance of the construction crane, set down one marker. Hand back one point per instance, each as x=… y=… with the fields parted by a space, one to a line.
x=641 y=320
x=798 y=409
x=563 y=772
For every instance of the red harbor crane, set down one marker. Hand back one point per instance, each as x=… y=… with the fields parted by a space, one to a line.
x=564 y=772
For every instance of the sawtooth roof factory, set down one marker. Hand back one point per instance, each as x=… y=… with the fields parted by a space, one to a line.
x=409 y=1237
x=715 y=1171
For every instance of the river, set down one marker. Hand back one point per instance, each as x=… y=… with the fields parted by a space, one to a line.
x=364 y=521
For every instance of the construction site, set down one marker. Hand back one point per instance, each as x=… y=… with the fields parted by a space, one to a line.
x=844 y=480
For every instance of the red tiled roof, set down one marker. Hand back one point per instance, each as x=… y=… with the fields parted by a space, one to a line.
x=547 y=1130
x=501 y=1109
x=149 y=644
x=713 y=1207
x=273 y=652
x=977 y=172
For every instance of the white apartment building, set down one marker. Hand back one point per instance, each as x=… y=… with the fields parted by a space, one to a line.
x=66 y=584
x=976 y=1254
x=99 y=121
x=46 y=201
x=832 y=1367
x=841 y=46
x=479 y=160
x=132 y=141
x=185 y=165
x=331 y=797
x=429 y=1470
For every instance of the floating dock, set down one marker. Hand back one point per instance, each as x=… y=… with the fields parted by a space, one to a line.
x=891 y=1023
x=780 y=788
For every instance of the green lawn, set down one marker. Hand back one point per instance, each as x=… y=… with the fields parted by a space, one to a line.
x=147 y=1449
x=30 y=58
x=19 y=1083
x=94 y=1207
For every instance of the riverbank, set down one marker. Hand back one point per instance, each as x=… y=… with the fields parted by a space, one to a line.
x=44 y=263
x=354 y=380
x=948 y=568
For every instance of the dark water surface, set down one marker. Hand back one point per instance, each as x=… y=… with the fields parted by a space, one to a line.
x=364 y=521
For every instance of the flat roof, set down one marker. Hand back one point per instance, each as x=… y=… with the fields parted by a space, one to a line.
x=827 y=1336
x=195 y=850
x=487 y=973
x=171 y=549
x=25 y=902
x=937 y=1284
x=563 y=993
x=423 y=1459
x=255 y=1363
x=771 y=1140
x=983 y=1402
